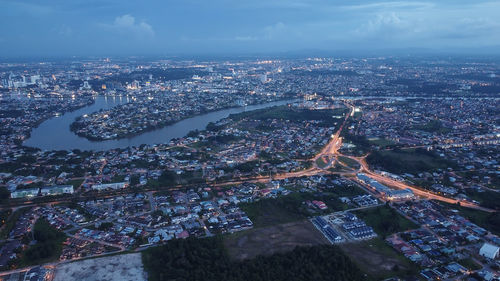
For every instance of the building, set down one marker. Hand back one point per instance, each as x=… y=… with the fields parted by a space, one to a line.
x=320 y=205
x=86 y=85
x=116 y=185
x=25 y=193
x=56 y=190
x=489 y=251
x=401 y=194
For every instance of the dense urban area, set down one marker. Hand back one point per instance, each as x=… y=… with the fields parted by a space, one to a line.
x=378 y=168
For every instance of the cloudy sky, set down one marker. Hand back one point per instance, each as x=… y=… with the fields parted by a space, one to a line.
x=173 y=27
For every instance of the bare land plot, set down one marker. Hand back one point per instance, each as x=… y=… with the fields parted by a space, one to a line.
x=272 y=239
x=126 y=267
x=378 y=259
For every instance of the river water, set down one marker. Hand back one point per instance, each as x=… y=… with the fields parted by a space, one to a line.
x=54 y=134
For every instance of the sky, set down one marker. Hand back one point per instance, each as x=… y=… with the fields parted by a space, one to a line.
x=199 y=27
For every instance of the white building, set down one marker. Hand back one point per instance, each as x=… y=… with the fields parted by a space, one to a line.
x=399 y=194
x=116 y=185
x=57 y=189
x=489 y=251
x=25 y=193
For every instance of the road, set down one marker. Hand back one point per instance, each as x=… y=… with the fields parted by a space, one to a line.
x=330 y=151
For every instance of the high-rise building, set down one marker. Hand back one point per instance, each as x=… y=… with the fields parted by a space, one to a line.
x=263 y=78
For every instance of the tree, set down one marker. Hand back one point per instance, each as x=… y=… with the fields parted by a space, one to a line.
x=4 y=194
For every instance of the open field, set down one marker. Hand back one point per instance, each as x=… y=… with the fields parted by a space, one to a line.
x=321 y=162
x=349 y=162
x=118 y=267
x=408 y=161
x=385 y=220
x=292 y=207
x=272 y=239
x=378 y=259
x=486 y=198
x=489 y=221
x=381 y=142
x=268 y=212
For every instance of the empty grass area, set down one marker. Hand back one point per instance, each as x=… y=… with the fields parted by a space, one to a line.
x=486 y=198
x=272 y=239
x=321 y=162
x=408 y=161
x=75 y=183
x=385 y=220
x=268 y=212
x=378 y=259
x=292 y=207
x=381 y=142
x=489 y=221
x=349 y=162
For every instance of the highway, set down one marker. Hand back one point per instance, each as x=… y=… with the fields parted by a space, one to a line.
x=330 y=152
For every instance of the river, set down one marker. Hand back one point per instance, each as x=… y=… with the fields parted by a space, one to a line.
x=54 y=133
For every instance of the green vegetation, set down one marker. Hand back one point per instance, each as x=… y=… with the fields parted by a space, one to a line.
x=321 y=163
x=385 y=220
x=362 y=144
x=293 y=114
x=4 y=215
x=489 y=221
x=11 y=221
x=206 y=259
x=408 y=161
x=48 y=245
x=105 y=226
x=349 y=162
x=75 y=183
x=170 y=178
x=292 y=207
x=434 y=126
x=280 y=210
x=486 y=198
x=382 y=142
x=4 y=194
x=470 y=264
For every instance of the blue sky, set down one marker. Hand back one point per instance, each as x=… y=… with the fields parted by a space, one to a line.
x=112 y=27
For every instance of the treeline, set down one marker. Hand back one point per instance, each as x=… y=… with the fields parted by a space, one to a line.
x=206 y=259
x=385 y=220
x=316 y=73
x=11 y=113
x=408 y=161
x=293 y=114
x=433 y=126
x=48 y=244
x=486 y=198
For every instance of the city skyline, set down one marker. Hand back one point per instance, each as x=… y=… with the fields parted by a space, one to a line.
x=104 y=28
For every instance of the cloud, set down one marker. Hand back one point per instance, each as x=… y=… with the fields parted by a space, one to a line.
x=64 y=30
x=128 y=24
x=245 y=38
x=271 y=31
x=386 y=25
x=390 y=5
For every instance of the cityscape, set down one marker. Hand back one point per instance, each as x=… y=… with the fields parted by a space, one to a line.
x=272 y=166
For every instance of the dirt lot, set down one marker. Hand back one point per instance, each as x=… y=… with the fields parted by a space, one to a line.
x=377 y=259
x=272 y=239
x=120 y=267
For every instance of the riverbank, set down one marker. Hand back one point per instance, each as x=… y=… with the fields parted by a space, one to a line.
x=54 y=134
x=111 y=129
